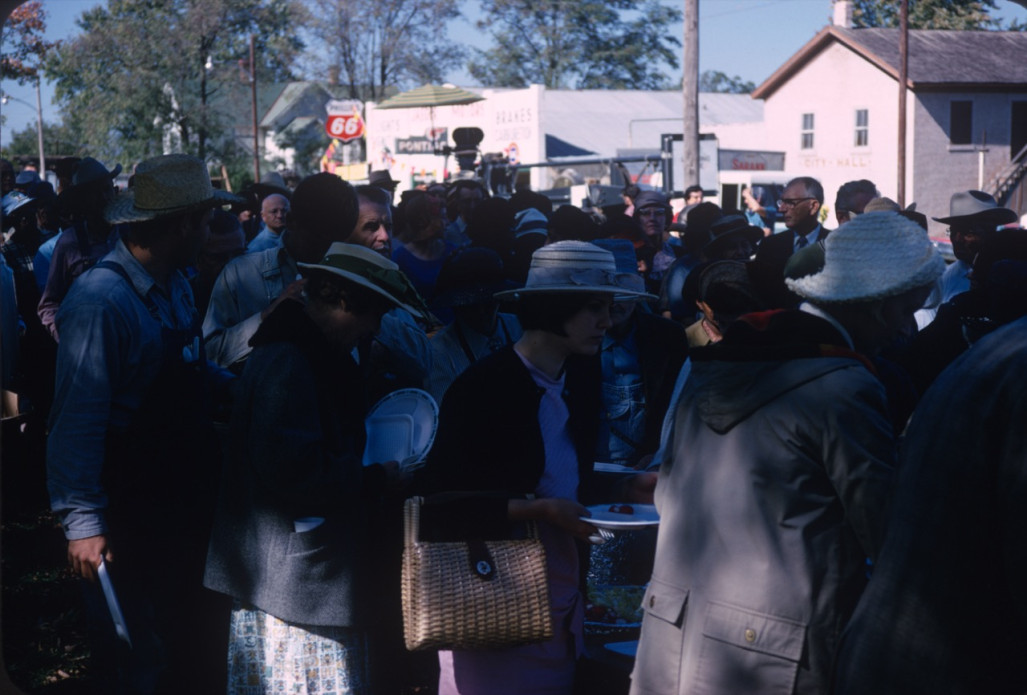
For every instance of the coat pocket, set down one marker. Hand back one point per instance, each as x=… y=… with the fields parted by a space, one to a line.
x=745 y=651
x=658 y=664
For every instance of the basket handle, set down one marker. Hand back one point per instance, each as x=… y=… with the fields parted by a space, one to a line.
x=411 y=520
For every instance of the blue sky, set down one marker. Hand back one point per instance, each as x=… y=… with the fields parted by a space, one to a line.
x=748 y=38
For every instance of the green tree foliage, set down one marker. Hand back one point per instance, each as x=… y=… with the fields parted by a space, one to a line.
x=146 y=76
x=23 y=42
x=618 y=44
x=60 y=139
x=716 y=81
x=926 y=14
x=369 y=45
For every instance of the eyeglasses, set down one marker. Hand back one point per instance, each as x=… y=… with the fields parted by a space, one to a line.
x=652 y=212
x=790 y=202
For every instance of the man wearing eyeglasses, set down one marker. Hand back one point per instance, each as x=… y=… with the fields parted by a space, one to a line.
x=653 y=213
x=799 y=208
x=273 y=211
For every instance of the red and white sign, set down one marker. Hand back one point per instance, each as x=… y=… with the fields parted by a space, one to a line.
x=344 y=121
x=345 y=127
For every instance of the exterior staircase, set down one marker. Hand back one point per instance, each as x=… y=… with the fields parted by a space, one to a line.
x=1011 y=178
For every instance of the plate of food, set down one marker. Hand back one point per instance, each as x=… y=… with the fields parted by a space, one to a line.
x=617 y=607
x=622 y=516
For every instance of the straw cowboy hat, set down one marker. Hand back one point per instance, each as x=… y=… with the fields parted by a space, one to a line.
x=969 y=207
x=362 y=266
x=168 y=185
x=572 y=267
x=873 y=256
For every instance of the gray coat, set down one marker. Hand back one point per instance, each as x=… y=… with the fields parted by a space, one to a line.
x=770 y=502
x=295 y=452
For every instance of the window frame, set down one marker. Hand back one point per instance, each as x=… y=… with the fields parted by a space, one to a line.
x=807 y=132
x=961 y=114
x=862 y=130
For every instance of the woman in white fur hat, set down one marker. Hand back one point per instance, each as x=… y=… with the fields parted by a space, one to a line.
x=779 y=466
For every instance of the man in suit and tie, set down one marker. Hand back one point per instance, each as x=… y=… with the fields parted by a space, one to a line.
x=799 y=208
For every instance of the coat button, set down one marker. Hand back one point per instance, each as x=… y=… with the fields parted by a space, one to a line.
x=750 y=635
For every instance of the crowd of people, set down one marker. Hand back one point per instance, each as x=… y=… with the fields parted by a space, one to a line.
x=824 y=418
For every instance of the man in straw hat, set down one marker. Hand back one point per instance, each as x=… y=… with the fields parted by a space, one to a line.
x=132 y=462
x=772 y=495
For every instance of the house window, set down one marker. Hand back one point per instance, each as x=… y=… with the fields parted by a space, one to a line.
x=862 y=127
x=960 y=122
x=807 y=131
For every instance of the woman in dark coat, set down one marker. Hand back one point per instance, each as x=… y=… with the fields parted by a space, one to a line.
x=523 y=423
x=288 y=539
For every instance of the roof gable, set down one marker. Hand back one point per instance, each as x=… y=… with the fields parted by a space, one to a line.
x=937 y=59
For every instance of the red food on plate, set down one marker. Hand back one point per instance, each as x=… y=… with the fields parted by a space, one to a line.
x=622 y=509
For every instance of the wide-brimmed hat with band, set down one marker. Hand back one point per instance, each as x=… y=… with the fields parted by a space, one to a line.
x=728 y=229
x=972 y=207
x=572 y=267
x=873 y=256
x=171 y=184
x=362 y=266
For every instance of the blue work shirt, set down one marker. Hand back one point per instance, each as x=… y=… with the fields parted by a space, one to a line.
x=265 y=239
x=110 y=352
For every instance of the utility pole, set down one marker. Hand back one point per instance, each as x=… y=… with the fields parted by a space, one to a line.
x=900 y=189
x=690 y=87
x=256 y=133
x=39 y=130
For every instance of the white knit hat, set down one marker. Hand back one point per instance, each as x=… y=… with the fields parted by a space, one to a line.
x=873 y=256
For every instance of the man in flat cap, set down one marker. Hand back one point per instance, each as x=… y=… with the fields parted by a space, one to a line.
x=132 y=462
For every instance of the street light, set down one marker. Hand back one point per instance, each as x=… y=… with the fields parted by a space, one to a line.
x=5 y=97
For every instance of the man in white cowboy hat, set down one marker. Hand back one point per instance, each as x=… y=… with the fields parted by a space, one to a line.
x=772 y=493
x=973 y=215
x=132 y=462
x=324 y=210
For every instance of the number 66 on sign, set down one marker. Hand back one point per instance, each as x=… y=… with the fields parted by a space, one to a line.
x=344 y=121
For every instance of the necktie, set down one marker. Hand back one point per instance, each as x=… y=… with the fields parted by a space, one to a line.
x=801 y=242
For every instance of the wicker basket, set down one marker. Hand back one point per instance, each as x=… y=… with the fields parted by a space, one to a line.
x=473 y=595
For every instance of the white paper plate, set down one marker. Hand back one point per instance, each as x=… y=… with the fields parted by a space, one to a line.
x=642 y=516
x=112 y=602
x=401 y=427
x=603 y=467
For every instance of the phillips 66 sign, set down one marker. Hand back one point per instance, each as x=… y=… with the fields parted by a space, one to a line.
x=344 y=121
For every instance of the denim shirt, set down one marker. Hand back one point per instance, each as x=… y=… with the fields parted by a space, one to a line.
x=622 y=426
x=109 y=353
x=265 y=239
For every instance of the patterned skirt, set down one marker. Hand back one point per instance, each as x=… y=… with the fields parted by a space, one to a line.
x=268 y=655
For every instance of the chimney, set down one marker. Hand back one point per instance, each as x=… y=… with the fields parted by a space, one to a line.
x=842 y=14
